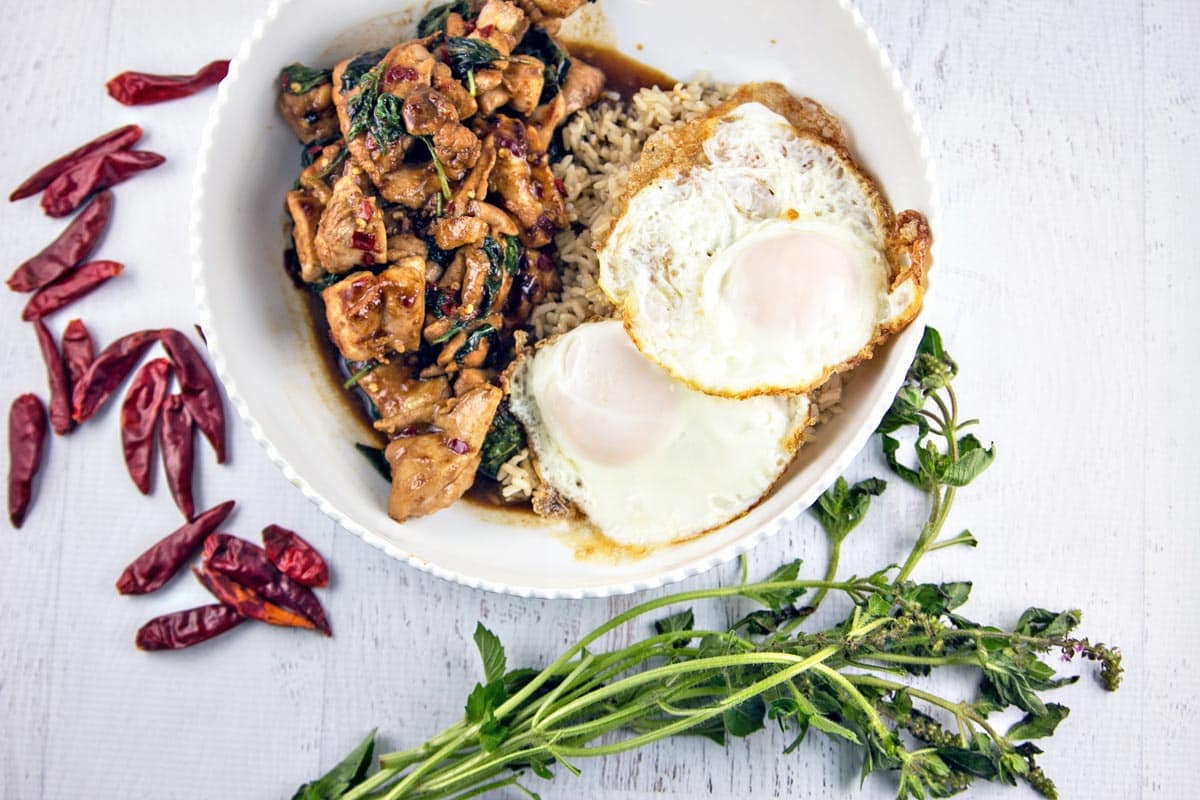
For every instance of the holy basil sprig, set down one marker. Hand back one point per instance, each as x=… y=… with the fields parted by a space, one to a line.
x=851 y=681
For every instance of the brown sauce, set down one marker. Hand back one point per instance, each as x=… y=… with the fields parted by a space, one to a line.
x=622 y=74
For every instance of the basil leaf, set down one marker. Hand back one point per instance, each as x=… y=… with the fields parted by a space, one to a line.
x=504 y=439
x=968 y=761
x=434 y=20
x=358 y=67
x=464 y=55
x=540 y=45
x=512 y=255
x=342 y=778
x=745 y=718
x=842 y=507
x=299 y=79
x=826 y=725
x=474 y=338
x=1037 y=727
x=387 y=120
x=491 y=652
x=682 y=621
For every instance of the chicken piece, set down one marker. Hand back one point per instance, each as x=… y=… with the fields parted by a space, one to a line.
x=549 y=14
x=402 y=70
x=427 y=110
x=499 y=222
x=306 y=216
x=487 y=79
x=583 y=86
x=457 y=148
x=414 y=405
x=456 y=25
x=493 y=99
x=351 y=231
x=545 y=119
x=311 y=115
x=389 y=385
x=556 y=8
x=444 y=81
x=524 y=77
x=432 y=470
x=451 y=280
x=371 y=316
x=537 y=279
x=405 y=244
x=412 y=187
x=550 y=191
x=319 y=177
x=470 y=378
x=501 y=24
x=474 y=185
x=538 y=208
x=485 y=285
x=451 y=233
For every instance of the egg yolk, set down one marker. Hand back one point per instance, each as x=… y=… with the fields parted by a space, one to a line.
x=611 y=402
x=792 y=283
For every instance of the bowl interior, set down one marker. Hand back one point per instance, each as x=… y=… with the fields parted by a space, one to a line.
x=263 y=343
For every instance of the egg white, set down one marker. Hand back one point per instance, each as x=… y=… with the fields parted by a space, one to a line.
x=761 y=271
x=649 y=460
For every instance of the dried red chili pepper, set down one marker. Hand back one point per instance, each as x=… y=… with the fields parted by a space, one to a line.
x=162 y=560
x=248 y=602
x=77 y=350
x=56 y=377
x=248 y=564
x=68 y=191
x=109 y=371
x=67 y=290
x=26 y=440
x=199 y=388
x=142 y=88
x=295 y=557
x=139 y=416
x=176 y=441
x=71 y=247
x=114 y=140
x=181 y=629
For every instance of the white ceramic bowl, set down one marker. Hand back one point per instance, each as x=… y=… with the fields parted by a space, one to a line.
x=263 y=345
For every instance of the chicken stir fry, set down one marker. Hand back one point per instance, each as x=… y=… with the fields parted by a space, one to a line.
x=425 y=216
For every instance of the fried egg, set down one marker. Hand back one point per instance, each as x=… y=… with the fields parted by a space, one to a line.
x=646 y=458
x=751 y=255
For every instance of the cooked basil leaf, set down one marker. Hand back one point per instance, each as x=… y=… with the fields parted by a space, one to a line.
x=512 y=255
x=504 y=440
x=299 y=79
x=540 y=45
x=359 y=66
x=465 y=54
x=474 y=338
x=434 y=20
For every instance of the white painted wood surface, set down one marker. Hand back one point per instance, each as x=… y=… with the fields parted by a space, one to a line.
x=1066 y=141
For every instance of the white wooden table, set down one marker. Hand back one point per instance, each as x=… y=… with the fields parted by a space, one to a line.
x=1066 y=141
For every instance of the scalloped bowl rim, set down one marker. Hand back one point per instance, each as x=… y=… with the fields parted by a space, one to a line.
x=906 y=343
